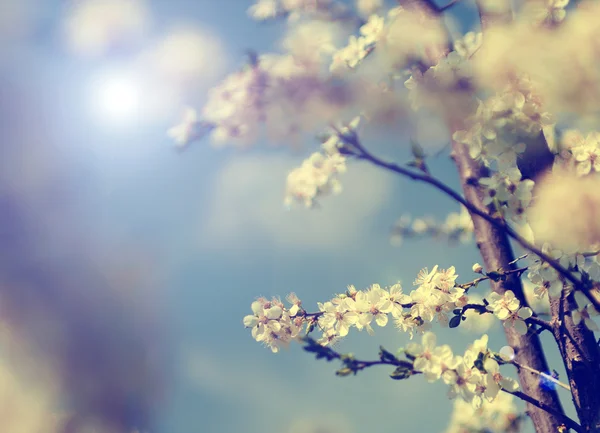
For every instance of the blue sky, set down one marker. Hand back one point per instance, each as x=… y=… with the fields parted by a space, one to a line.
x=214 y=235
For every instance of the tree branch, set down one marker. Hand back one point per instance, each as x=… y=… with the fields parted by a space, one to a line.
x=543 y=406
x=541 y=374
x=404 y=369
x=498 y=223
x=581 y=357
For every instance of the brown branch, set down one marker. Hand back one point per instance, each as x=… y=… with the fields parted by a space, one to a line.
x=581 y=357
x=541 y=323
x=568 y=422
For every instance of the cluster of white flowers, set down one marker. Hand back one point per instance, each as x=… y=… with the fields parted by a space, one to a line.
x=358 y=47
x=495 y=136
x=237 y=105
x=579 y=153
x=545 y=279
x=571 y=260
x=549 y=12
x=457 y=227
x=468 y=44
x=497 y=416
x=286 y=94
x=274 y=325
x=585 y=312
x=508 y=192
x=474 y=376
x=318 y=175
x=548 y=282
x=494 y=131
x=507 y=308
x=403 y=36
x=435 y=297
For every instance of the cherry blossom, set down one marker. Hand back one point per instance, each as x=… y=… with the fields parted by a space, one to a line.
x=508 y=309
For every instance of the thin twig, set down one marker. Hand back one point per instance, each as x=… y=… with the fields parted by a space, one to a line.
x=490 y=276
x=541 y=374
x=541 y=323
x=567 y=421
x=517 y=259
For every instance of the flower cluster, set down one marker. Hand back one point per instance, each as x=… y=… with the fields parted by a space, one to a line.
x=522 y=48
x=401 y=38
x=435 y=297
x=548 y=282
x=500 y=123
x=508 y=192
x=498 y=416
x=237 y=105
x=358 y=47
x=496 y=135
x=457 y=227
x=474 y=376
x=468 y=44
x=548 y=12
x=582 y=154
x=318 y=175
x=585 y=312
x=282 y=95
x=507 y=308
x=274 y=325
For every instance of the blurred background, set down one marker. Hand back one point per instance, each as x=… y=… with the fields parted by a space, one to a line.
x=127 y=267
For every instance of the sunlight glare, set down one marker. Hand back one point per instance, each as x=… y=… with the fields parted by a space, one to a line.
x=116 y=97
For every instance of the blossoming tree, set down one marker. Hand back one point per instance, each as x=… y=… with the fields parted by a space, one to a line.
x=517 y=96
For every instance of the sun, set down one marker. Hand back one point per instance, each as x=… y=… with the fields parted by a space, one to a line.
x=115 y=97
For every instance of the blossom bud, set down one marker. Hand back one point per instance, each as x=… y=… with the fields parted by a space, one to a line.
x=507 y=353
x=477 y=268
